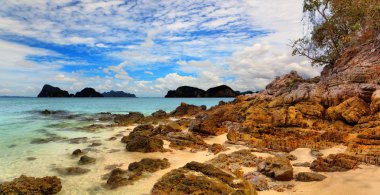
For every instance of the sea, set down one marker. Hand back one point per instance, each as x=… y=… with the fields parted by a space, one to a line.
x=36 y=144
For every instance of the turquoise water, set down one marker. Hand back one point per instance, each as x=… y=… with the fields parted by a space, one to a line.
x=23 y=126
x=20 y=120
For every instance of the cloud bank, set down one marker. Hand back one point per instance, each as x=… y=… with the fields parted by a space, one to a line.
x=147 y=47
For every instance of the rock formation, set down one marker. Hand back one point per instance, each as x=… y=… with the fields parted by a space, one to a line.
x=117 y=94
x=88 y=92
x=31 y=186
x=193 y=92
x=50 y=91
x=186 y=91
x=221 y=91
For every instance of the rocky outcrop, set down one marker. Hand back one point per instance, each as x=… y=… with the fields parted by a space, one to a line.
x=149 y=165
x=118 y=94
x=335 y=163
x=85 y=160
x=308 y=177
x=50 y=91
x=128 y=119
x=193 y=92
x=279 y=168
x=88 y=92
x=351 y=110
x=72 y=171
x=119 y=177
x=32 y=186
x=235 y=161
x=198 y=178
x=183 y=140
x=187 y=110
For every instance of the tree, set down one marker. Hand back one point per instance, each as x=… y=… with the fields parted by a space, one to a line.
x=335 y=25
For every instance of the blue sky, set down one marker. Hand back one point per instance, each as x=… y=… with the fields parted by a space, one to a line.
x=146 y=46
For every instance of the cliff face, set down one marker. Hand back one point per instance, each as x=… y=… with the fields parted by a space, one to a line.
x=339 y=107
x=50 y=91
x=193 y=92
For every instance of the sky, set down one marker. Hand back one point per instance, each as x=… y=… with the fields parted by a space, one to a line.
x=147 y=47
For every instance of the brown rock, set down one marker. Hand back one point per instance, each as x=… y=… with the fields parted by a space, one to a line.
x=119 y=177
x=350 y=110
x=334 y=163
x=375 y=101
x=149 y=165
x=304 y=164
x=128 y=119
x=85 y=160
x=198 y=178
x=167 y=128
x=77 y=152
x=182 y=140
x=160 y=114
x=258 y=181
x=279 y=168
x=72 y=171
x=187 y=110
x=308 y=177
x=144 y=144
x=32 y=186
x=216 y=148
x=235 y=159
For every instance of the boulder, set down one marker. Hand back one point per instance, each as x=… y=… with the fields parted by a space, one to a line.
x=128 y=119
x=77 y=152
x=149 y=165
x=145 y=144
x=85 y=160
x=167 y=128
x=160 y=114
x=119 y=177
x=199 y=178
x=72 y=171
x=308 y=177
x=182 y=140
x=187 y=110
x=303 y=164
x=240 y=158
x=216 y=148
x=259 y=182
x=334 y=163
x=32 y=186
x=279 y=168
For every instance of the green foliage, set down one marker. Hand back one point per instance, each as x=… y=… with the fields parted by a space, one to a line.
x=335 y=25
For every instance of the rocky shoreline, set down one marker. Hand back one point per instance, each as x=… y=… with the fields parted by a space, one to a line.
x=295 y=131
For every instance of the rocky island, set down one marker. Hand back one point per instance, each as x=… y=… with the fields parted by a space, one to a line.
x=49 y=91
x=193 y=92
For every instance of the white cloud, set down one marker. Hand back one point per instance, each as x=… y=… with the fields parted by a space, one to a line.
x=149 y=72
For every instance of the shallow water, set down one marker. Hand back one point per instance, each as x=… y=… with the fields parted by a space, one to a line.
x=22 y=123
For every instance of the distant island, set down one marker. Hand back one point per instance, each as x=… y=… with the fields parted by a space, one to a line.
x=51 y=91
x=214 y=92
